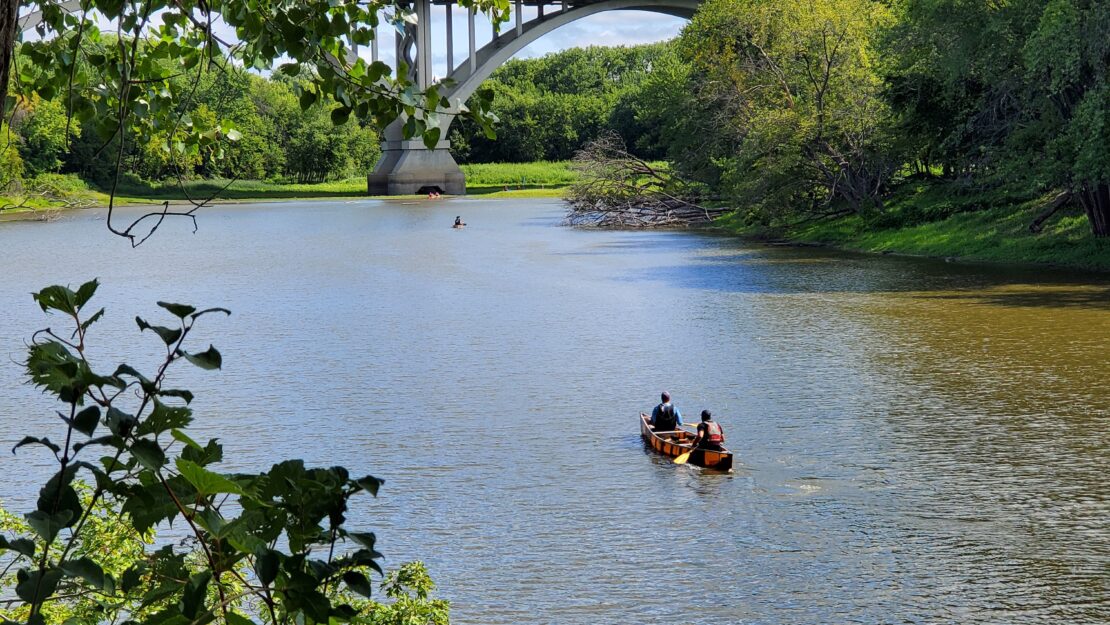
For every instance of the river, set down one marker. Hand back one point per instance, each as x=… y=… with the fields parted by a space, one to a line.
x=917 y=441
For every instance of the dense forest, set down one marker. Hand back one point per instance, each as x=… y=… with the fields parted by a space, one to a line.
x=789 y=109
x=796 y=109
x=277 y=139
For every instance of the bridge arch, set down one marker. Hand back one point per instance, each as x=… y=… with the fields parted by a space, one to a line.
x=469 y=75
x=407 y=165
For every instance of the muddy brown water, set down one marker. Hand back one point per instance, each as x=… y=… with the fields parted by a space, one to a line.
x=917 y=441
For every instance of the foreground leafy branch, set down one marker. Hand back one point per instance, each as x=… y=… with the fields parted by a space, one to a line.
x=270 y=547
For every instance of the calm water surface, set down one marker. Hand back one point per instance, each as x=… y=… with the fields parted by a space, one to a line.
x=918 y=442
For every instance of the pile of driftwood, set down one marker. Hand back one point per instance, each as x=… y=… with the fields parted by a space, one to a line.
x=639 y=213
x=616 y=189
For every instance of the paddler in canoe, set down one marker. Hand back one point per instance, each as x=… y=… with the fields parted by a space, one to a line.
x=459 y=222
x=665 y=417
x=710 y=434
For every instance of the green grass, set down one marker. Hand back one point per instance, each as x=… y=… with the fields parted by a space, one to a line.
x=931 y=220
x=538 y=174
x=533 y=192
x=494 y=180
x=241 y=189
x=482 y=179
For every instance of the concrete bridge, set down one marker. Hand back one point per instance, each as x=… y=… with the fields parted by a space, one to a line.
x=407 y=166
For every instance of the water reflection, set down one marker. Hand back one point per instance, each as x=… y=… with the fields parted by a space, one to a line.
x=917 y=441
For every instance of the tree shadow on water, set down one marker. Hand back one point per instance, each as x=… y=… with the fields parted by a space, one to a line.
x=1077 y=296
x=795 y=271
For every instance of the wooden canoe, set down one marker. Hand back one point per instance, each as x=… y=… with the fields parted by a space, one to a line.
x=676 y=443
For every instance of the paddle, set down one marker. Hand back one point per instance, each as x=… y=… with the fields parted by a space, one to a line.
x=683 y=458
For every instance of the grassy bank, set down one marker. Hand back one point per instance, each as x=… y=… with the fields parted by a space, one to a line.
x=499 y=180
x=934 y=220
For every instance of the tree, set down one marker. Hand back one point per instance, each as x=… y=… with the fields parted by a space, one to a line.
x=793 y=87
x=1025 y=88
x=43 y=128
x=550 y=107
x=269 y=547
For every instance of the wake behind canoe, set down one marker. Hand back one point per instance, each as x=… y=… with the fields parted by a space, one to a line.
x=675 y=443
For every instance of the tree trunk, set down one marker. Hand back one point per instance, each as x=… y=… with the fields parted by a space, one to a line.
x=1096 y=201
x=9 y=30
x=1055 y=205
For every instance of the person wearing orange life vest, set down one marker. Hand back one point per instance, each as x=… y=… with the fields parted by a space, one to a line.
x=710 y=433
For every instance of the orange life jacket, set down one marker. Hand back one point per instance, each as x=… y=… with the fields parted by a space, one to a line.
x=714 y=433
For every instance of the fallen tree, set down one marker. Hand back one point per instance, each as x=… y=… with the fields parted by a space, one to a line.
x=616 y=189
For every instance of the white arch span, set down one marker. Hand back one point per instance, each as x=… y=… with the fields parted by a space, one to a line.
x=469 y=75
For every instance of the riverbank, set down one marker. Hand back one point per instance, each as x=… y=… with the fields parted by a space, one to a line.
x=926 y=219
x=57 y=193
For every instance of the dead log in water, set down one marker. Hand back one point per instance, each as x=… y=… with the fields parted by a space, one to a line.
x=616 y=189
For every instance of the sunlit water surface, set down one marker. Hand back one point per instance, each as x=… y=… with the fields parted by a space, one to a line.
x=918 y=442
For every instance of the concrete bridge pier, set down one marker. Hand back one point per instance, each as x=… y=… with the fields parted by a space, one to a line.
x=407 y=167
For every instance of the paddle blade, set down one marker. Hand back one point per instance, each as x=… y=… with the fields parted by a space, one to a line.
x=683 y=458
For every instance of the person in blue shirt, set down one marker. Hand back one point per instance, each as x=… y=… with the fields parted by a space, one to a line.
x=666 y=417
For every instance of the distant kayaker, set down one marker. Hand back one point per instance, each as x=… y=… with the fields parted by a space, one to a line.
x=666 y=417
x=710 y=433
x=459 y=222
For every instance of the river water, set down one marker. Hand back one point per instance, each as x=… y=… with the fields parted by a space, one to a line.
x=918 y=441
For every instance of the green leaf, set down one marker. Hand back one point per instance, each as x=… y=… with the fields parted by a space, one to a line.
x=85 y=292
x=119 y=422
x=48 y=525
x=206 y=482
x=36 y=586
x=91 y=320
x=206 y=311
x=182 y=437
x=431 y=137
x=192 y=599
x=266 y=566
x=148 y=453
x=132 y=576
x=86 y=421
x=366 y=539
x=86 y=569
x=57 y=494
x=358 y=583
x=34 y=440
x=173 y=392
x=212 y=452
x=339 y=116
x=178 y=310
x=208 y=359
x=234 y=135
x=307 y=99
x=128 y=370
x=168 y=336
x=370 y=484
x=20 y=545
x=100 y=440
x=163 y=418
x=236 y=619
x=58 y=298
